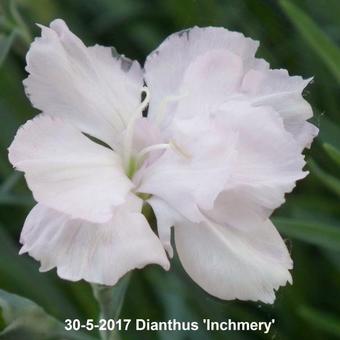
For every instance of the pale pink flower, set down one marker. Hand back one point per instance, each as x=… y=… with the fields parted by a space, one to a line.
x=221 y=145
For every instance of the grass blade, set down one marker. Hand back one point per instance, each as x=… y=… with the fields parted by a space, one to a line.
x=21 y=275
x=16 y=199
x=316 y=233
x=24 y=319
x=10 y=182
x=321 y=320
x=314 y=36
x=328 y=180
x=333 y=152
x=5 y=46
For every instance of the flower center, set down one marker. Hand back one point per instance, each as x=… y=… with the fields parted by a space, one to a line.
x=132 y=161
x=132 y=168
x=128 y=139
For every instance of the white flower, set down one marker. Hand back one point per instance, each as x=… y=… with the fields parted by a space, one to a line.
x=221 y=145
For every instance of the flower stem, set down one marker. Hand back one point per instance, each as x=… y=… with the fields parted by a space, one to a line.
x=110 y=300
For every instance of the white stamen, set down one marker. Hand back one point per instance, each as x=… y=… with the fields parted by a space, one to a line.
x=128 y=139
x=151 y=148
x=179 y=150
x=162 y=146
x=163 y=104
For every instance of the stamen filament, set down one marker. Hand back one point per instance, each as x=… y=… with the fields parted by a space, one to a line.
x=162 y=146
x=162 y=106
x=148 y=149
x=128 y=139
x=179 y=150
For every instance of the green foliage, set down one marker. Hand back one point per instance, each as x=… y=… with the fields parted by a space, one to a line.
x=319 y=42
x=110 y=300
x=319 y=234
x=6 y=42
x=330 y=181
x=333 y=152
x=321 y=320
x=301 y=36
x=23 y=319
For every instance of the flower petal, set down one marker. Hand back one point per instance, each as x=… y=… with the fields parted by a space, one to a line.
x=191 y=174
x=277 y=89
x=98 y=253
x=209 y=66
x=166 y=219
x=267 y=161
x=95 y=90
x=180 y=50
x=67 y=171
x=238 y=146
x=244 y=259
x=208 y=81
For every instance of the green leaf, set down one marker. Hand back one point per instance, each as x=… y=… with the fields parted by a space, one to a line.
x=333 y=152
x=16 y=199
x=316 y=233
x=5 y=24
x=9 y=198
x=10 y=182
x=110 y=300
x=314 y=36
x=5 y=45
x=5 y=7
x=328 y=180
x=20 y=274
x=12 y=19
x=26 y=320
x=329 y=132
x=320 y=320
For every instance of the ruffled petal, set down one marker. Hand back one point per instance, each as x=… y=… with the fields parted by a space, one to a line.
x=202 y=46
x=277 y=89
x=97 y=253
x=97 y=91
x=166 y=218
x=245 y=258
x=267 y=161
x=67 y=171
x=206 y=67
x=191 y=174
x=208 y=81
x=238 y=147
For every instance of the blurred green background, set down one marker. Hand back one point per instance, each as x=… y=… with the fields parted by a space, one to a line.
x=301 y=36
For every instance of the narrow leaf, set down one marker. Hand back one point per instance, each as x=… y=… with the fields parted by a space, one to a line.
x=316 y=233
x=26 y=320
x=314 y=36
x=333 y=152
x=321 y=320
x=329 y=132
x=328 y=180
x=10 y=182
x=110 y=300
x=16 y=199
x=21 y=275
x=5 y=45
